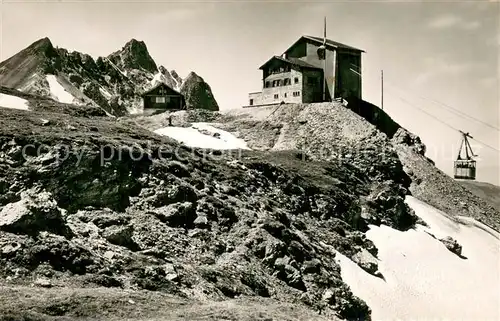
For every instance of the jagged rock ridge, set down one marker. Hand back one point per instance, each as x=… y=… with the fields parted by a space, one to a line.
x=114 y=83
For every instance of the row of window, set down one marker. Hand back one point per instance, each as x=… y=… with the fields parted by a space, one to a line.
x=294 y=94
x=287 y=81
x=276 y=96
x=279 y=70
x=281 y=82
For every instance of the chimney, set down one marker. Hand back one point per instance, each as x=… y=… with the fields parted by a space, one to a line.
x=284 y=55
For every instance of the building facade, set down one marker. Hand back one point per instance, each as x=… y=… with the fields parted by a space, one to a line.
x=162 y=98
x=305 y=73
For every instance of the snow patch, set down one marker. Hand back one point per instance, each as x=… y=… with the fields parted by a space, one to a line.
x=134 y=110
x=116 y=67
x=158 y=78
x=14 y=102
x=58 y=91
x=203 y=135
x=105 y=93
x=423 y=279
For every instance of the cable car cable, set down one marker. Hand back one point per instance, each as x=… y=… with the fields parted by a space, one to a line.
x=452 y=109
x=441 y=121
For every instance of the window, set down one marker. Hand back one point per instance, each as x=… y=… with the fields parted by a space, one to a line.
x=287 y=81
x=279 y=82
x=296 y=80
x=268 y=84
x=160 y=100
x=276 y=96
x=296 y=94
x=251 y=102
x=285 y=95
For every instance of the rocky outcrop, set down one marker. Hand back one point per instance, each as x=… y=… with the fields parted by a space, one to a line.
x=198 y=94
x=404 y=137
x=452 y=245
x=35 y=212
x=176 y=77
x=164 y=76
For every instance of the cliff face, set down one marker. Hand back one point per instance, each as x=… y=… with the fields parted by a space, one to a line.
x=198 y=93
x=113 y=83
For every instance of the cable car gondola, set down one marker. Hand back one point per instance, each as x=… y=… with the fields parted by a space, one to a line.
x=465 y=168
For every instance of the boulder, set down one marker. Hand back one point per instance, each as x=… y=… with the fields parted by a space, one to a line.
x=35 y=212
x=43 y=282
x=182 y=214
x=201 y=222
x=121 y=235
x=452 y=245
x=177 y=193
x=170 y=273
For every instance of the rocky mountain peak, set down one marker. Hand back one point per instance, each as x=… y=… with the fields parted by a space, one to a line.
x=42 y=42
x=162 y=69
x=43 y=46
x=135 y=44
x=176 y=76
x=134 y=55
x=192 y=76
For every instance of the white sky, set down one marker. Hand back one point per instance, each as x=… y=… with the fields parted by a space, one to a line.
x=446 y=51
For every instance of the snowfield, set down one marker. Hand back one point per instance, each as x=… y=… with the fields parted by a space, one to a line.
x=423 y=279
x=13 y=102
x=203 y=135
x=58 y=91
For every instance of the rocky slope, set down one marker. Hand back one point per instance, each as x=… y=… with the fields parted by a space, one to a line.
x=328 y=131
x=333 y=132
x=114 y=83
x=100 y=202
x=487 y=191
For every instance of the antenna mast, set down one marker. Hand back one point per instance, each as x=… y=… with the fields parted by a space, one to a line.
x=382 y=89
x=324 y=62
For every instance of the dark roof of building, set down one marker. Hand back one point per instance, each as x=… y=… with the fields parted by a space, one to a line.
x=329 y=43
x=293 y=61
x=158 y=85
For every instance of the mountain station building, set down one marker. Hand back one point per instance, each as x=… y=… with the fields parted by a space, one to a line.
x=312 y=70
